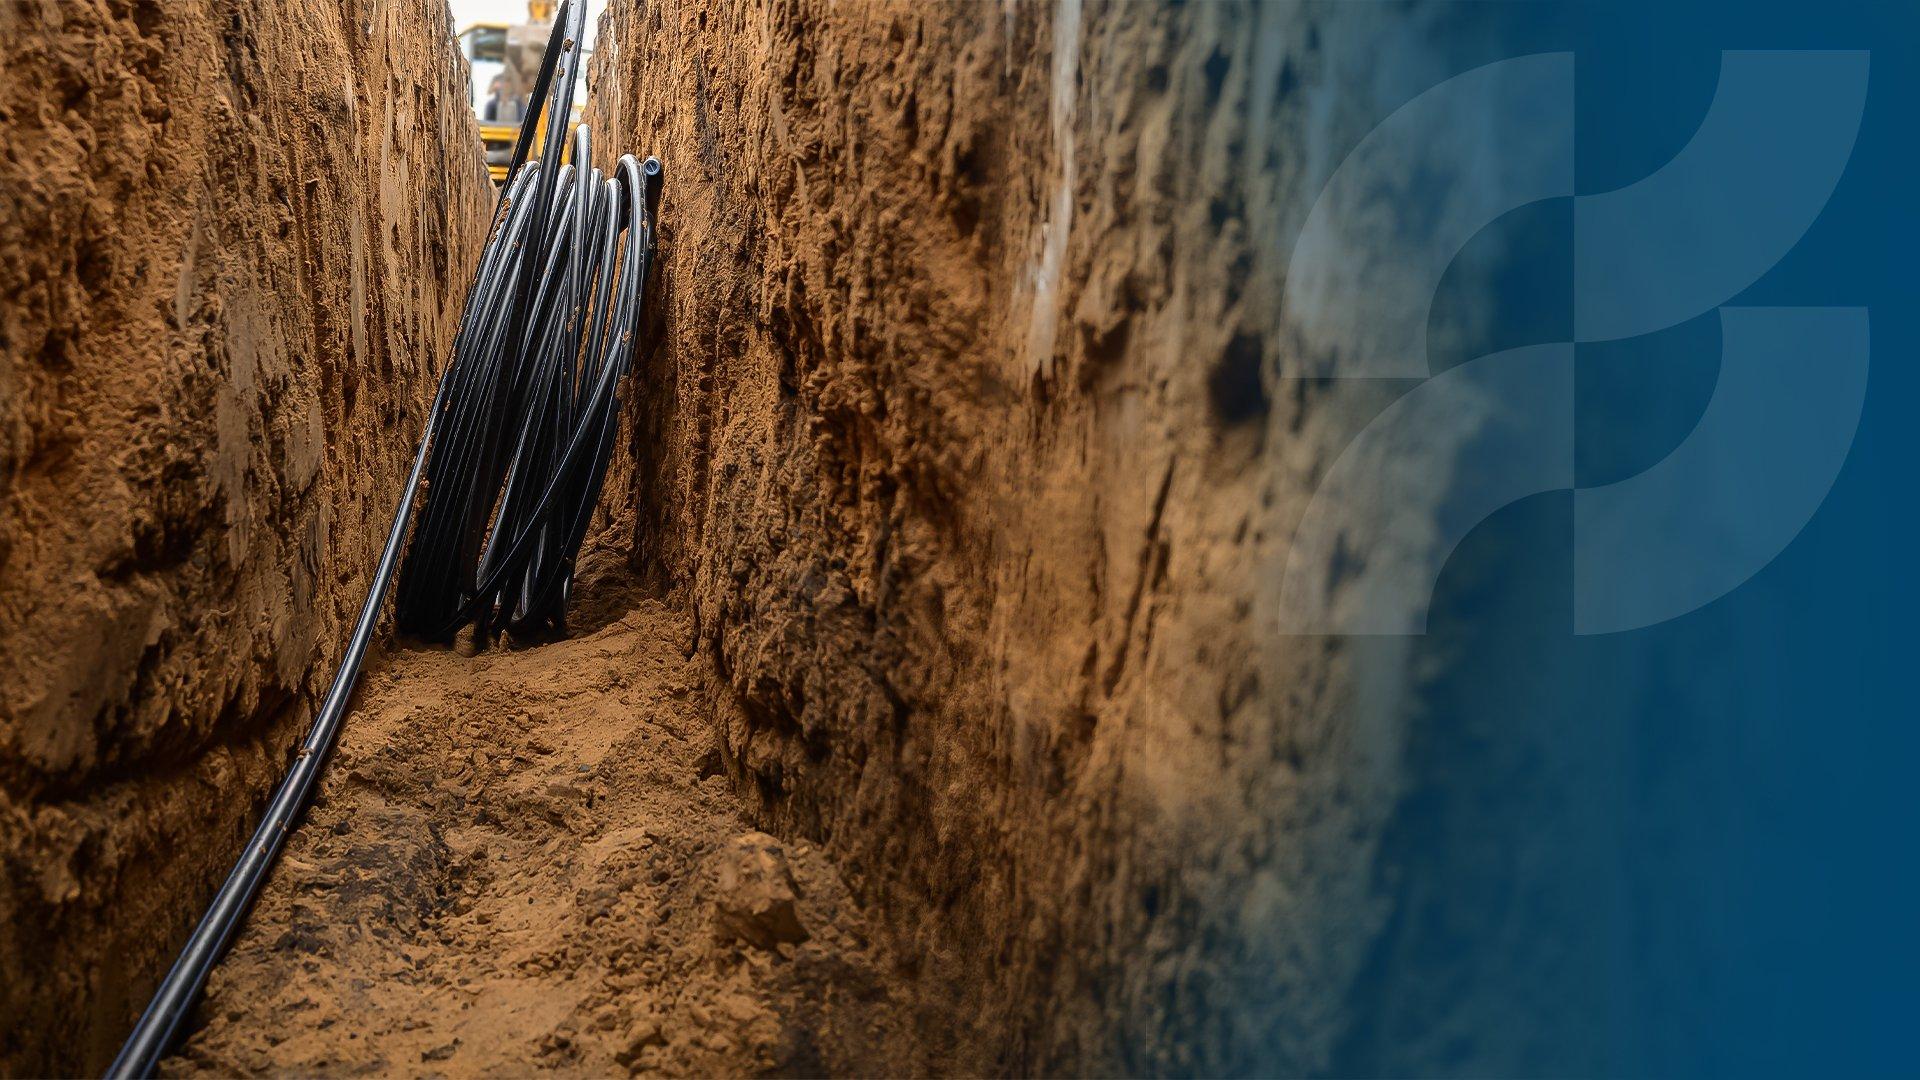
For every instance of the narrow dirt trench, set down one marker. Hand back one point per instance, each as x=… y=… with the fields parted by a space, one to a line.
x=525 y=860
x=943 y=561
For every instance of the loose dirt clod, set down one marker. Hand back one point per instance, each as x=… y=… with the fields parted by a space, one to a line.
x=755 y=893
x=514 y=865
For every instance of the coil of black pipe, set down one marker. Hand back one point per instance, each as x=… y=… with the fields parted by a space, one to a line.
x=514 y=454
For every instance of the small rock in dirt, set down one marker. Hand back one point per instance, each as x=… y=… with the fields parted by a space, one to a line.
x=440 y=1053
x=645 y=1032
x=742 y=1010
x=754 y=893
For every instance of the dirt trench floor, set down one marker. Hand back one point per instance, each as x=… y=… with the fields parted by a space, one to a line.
x=521 y=862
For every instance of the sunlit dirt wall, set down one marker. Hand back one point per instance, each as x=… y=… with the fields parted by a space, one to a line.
x=976 y=442
x=233 y=237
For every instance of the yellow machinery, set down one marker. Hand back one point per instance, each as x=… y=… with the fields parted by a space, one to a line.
x=504 y=60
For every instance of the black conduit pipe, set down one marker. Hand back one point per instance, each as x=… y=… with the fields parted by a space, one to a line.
x=514 y=454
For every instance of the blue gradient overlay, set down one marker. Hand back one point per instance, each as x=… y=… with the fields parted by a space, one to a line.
x=1665 y=752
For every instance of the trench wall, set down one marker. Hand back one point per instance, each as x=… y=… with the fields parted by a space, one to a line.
x=233 y=237
x=975 y=441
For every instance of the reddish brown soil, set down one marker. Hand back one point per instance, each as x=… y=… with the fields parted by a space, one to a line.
x=525 y=861
x=976 y=441
x=964 y=461
x=233 y=236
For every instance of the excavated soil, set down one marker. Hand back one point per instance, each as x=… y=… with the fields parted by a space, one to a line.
x=233 y=240
x=977 y=435
x=973 y=440
x=964 y=458
x=526 y=860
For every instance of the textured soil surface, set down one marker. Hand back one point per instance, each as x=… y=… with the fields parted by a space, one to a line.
x=525 y=860
x=962 y=469
x=977 y=446
x=233 y=238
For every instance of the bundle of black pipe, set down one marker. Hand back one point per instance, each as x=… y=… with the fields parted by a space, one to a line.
x=515 y=451
x=528 y=417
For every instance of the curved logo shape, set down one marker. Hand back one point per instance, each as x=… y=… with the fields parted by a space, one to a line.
x=1730 y=498
x=1730 y=205
x=1400 y=207
x=1675 y=245
x=1504 y=421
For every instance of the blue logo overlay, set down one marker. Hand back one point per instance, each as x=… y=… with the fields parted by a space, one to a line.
x=1683 y=242
x=1610 y=311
